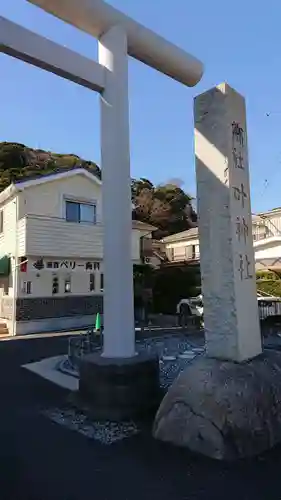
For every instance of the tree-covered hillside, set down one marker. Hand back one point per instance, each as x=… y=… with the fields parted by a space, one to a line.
x=166 y=206
x=18 y=162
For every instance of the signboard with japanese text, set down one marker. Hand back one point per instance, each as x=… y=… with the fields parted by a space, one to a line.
x=64 y=264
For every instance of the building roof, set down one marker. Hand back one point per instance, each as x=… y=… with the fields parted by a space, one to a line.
x=143 y=226
x=193 y=232
x=256 y=218
x=267 y=241
x=269 y=212
x=59 y=170
x=59 y=173
x=183 y=235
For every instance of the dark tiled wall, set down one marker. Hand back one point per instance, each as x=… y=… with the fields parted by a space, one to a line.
x=57 y=307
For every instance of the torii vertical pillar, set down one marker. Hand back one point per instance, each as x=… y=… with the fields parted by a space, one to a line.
x=119 y=330
x=120 y=383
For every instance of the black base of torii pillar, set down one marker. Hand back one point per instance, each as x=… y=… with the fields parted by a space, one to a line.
x=120 y=389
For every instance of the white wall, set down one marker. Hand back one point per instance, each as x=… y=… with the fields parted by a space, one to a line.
x=268 y=250
x=8 y=236
x=179 y=248
x=45 y=232
x=47 y=199
x=8 y=240
x=42 y=280
x=136 y=236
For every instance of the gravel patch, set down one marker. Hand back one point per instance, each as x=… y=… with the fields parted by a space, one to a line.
x=174 y=352
x=106 y=433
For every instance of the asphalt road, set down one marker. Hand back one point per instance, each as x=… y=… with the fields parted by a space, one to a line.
x=40 y=460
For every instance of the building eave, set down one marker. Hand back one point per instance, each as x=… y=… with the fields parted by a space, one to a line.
x=182 y=236
x=63 y=174
x=8 y=193
x=143 y=226
x=264 y=241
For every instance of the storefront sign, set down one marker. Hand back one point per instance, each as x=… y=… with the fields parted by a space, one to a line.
x=69 y=265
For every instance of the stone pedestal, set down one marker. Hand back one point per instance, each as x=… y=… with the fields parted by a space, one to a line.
x=222 y=409
x=120 y=389
x=225 y=226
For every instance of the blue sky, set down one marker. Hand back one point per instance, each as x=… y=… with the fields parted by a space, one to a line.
x=238 y=43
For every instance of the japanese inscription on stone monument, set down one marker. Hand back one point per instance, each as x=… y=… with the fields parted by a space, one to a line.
x=241 y=203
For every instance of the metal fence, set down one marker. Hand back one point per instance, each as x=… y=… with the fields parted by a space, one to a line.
x=270 y=309
x=89 y=341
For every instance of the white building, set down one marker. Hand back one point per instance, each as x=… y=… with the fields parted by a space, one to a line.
x=51 y=248
x=267 y=239
x=266 y=229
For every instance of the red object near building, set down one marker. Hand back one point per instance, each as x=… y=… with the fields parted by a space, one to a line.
x=23 y=265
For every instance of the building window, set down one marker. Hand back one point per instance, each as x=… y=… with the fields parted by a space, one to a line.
x=92 y=282
x=55 y=287
x=81 y=212
x=101 y=282
x=27 y=288
x=1 y=221
x=67 y=285
x=193 y=252
x=6 y=286
x=188 y=252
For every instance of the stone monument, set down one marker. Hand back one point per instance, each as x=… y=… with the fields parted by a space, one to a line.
x=227 y=403
x=227 y=262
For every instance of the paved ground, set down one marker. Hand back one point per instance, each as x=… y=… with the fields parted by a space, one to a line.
x=40 y=460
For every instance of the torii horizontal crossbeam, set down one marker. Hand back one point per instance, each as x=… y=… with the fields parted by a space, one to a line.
x=34 y=49
x=96 y=17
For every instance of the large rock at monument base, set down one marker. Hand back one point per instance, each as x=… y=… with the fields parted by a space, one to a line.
x=222 y=409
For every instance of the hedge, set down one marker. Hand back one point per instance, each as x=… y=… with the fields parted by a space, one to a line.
x=265 y=274
x=273 y=287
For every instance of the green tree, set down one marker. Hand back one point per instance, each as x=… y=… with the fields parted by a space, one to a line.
x=167 y=207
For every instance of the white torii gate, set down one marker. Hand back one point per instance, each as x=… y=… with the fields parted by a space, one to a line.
x=118 y=36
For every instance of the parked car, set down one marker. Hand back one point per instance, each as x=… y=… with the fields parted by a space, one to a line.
x=190 y=309
x=193 y=308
